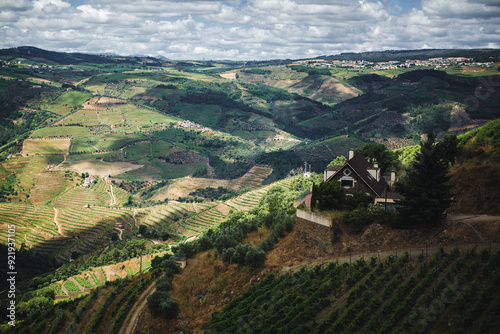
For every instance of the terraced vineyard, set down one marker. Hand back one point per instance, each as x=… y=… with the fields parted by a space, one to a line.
x=34 y=224
x=82 y=197
x=396 y=295
x=78 y=221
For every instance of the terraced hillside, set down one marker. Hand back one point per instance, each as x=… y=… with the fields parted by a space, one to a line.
x=78 y=222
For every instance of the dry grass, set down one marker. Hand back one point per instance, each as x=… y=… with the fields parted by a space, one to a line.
x=99 y=168
x=46 y=146
x=182 y=187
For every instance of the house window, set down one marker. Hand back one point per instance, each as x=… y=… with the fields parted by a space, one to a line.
x=347 y=183
x=347 y=172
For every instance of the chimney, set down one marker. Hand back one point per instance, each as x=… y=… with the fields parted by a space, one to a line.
x=351 y=154
x=374 y=171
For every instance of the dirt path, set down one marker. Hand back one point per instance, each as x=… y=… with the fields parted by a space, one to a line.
x=111 y=193
x=130 y=322
x=120 y=232
x=56 y=221
x=27 y=242
x=382 y=255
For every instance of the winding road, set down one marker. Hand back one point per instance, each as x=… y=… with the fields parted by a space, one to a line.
x=130 y=322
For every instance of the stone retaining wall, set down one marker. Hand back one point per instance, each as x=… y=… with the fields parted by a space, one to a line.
x=312 y=226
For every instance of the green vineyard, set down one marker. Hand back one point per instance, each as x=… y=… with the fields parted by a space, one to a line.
x=80 y=219
x=394 y=295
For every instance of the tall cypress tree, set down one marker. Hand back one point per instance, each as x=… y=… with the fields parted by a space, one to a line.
x=314 y=194
x=425 y=186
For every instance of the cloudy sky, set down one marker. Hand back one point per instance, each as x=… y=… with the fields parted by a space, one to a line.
x=247 y=29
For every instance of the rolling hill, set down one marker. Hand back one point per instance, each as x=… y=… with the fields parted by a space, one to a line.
x=105 y=158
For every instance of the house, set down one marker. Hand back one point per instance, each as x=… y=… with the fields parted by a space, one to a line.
x=88 y=181
x=357 y=175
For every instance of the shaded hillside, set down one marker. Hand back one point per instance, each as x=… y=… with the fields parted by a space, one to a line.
x=476 y=178
x=418 y=93
x=476 y=187
x=60 y=58
x=370 y=82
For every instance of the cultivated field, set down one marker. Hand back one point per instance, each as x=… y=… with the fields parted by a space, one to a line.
x=182 y=187
x=46 y=146
x=98 y=167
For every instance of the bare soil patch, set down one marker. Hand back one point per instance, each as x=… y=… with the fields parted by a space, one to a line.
x=99 y=168
x=182 y=187
x=231 y=76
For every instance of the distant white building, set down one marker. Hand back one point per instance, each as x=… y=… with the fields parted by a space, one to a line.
x=88 y=181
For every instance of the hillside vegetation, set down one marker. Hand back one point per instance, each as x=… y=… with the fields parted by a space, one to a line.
x=107 y=162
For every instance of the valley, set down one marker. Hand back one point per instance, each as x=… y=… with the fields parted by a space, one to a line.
x=105 y=159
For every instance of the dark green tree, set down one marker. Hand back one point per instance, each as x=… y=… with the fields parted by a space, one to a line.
x=328 y=195
x=448 y=148
x=161 y=304
x=314 y=195
x=425 y=187
x=374 y=152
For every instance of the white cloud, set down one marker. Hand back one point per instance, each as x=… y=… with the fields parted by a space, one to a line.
x=253 y=29
x=15 y=5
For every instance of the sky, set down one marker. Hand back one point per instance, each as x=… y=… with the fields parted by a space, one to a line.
x=247 y=29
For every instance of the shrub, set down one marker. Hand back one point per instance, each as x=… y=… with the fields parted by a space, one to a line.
x=161 y=304
x=358 y=218
x=358 y=200
x=255 y=257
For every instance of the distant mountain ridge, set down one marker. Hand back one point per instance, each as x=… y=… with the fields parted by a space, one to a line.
x=401 y=55
x=66 y=58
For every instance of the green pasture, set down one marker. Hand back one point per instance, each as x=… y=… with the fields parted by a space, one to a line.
x=62 y=131
x=325 y=120
x=205 y=114
x=248 y=135
x=73 y=98
x=161 y=148
x=264 y=134
x=164 y=93
x=67 y=101
x=142 y=150
x=113 y=141
x=81 y=147
x=159 y=170
x=60 y=109
x=85 y=117
x=110 y=117
x=339 y=144
x=93 y=156
x=142 y=117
